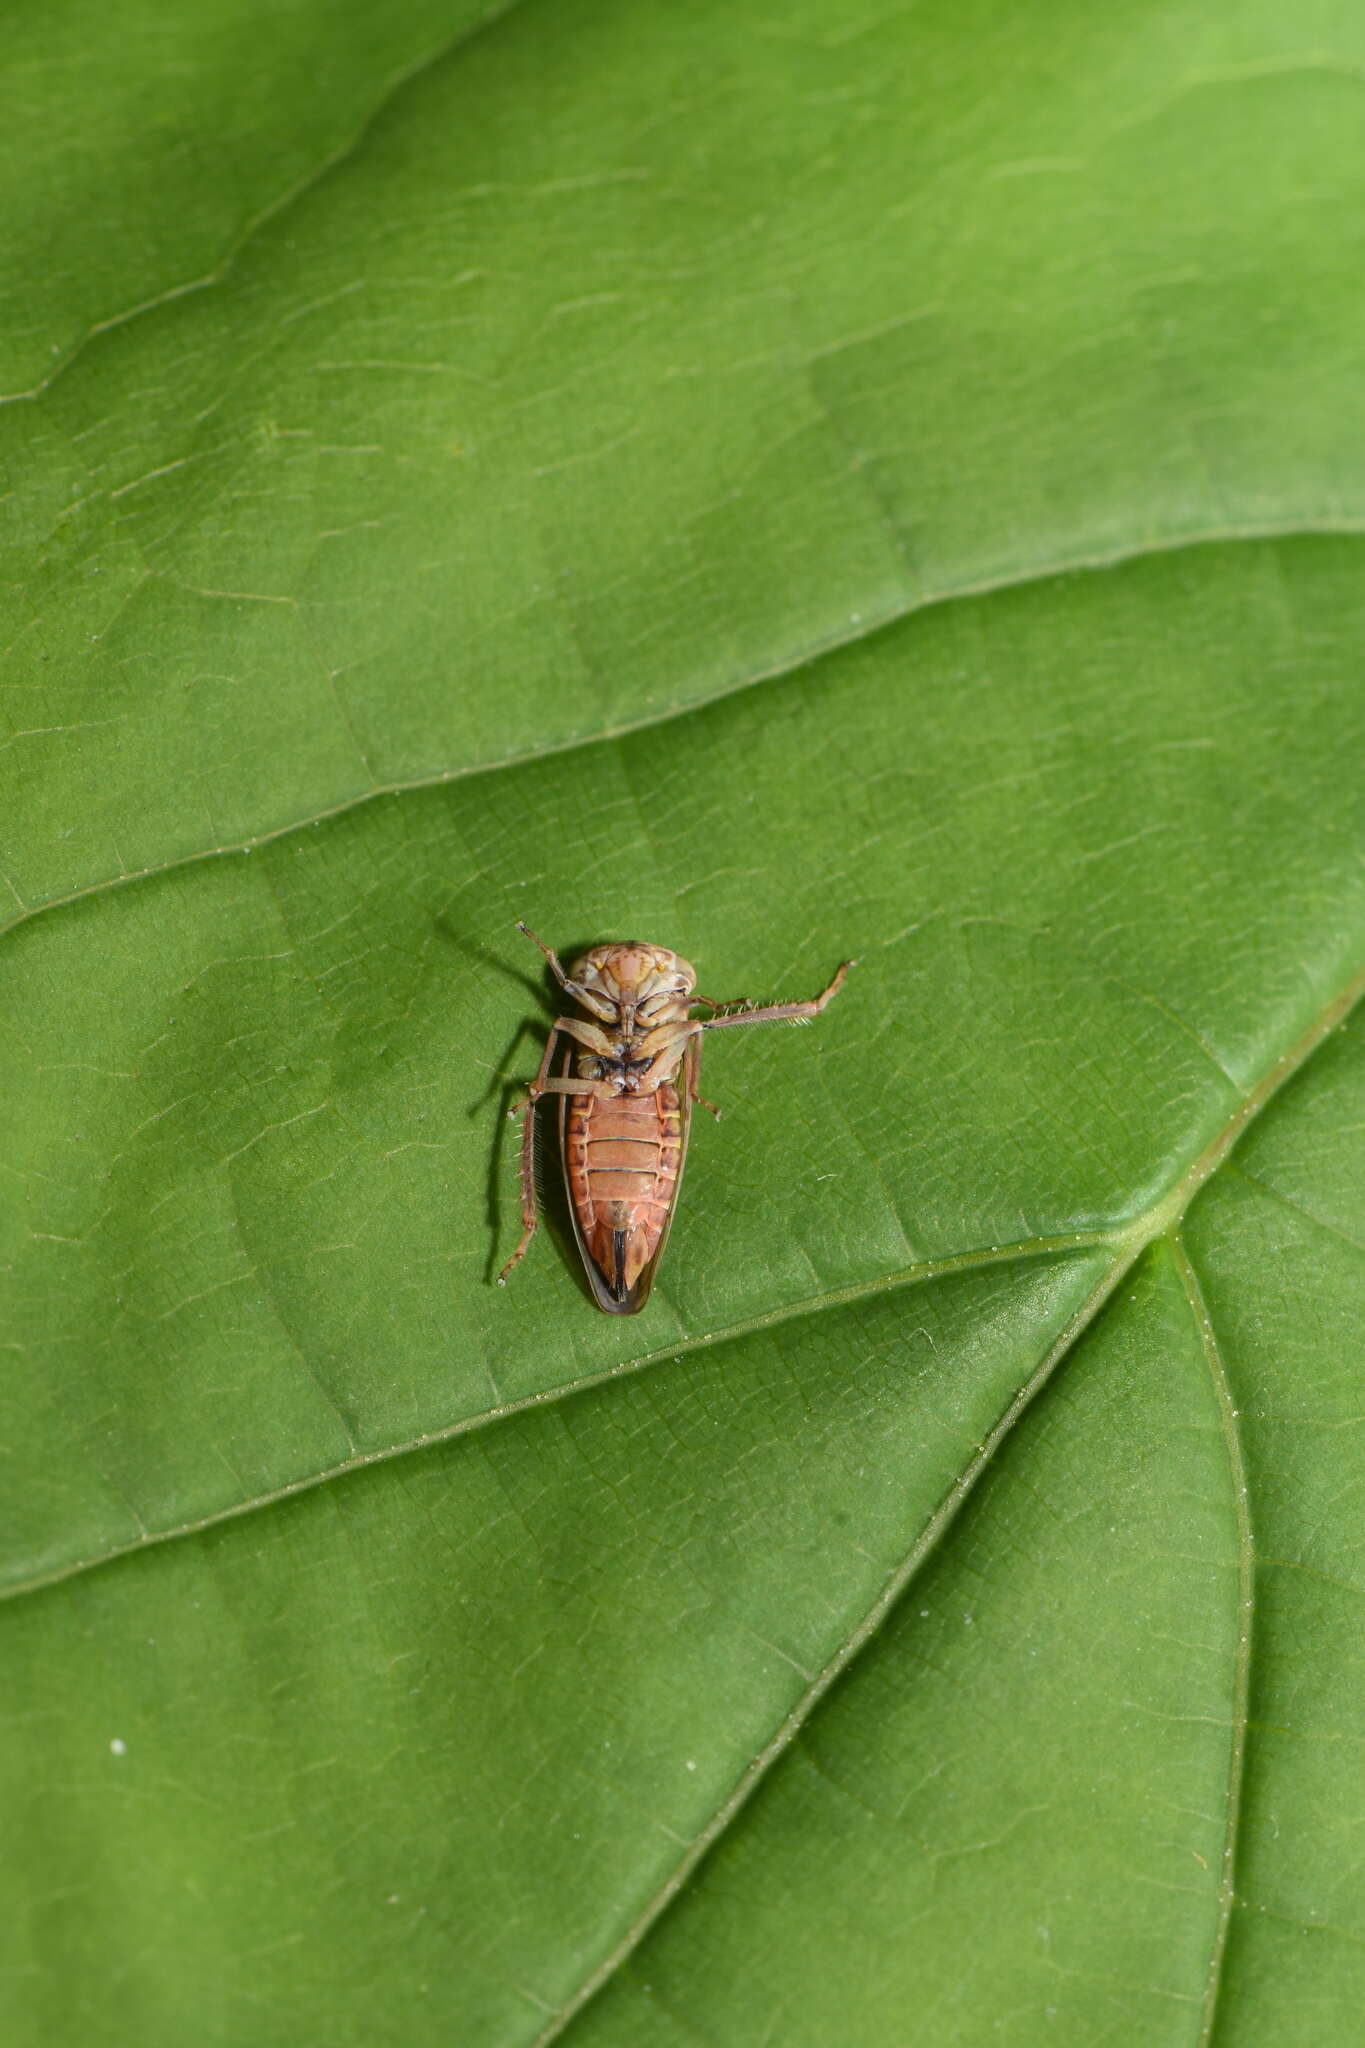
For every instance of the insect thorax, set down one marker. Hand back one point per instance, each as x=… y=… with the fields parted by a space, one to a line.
x=623 y=1065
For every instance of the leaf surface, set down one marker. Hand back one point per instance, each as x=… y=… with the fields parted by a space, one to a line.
x=787 y=491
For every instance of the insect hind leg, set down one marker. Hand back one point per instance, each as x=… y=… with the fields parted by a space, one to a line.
x=544 y=1085
x=530 y=1217
x=527 y=1112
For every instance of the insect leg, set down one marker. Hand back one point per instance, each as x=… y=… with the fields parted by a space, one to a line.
x=666 y=1046
x=550 y=954
x=590 y=1000
x=529 y=1218
x=590 y=1036
x=564 y=1084
x=773 y=1013
x=587 y=1034
x=692 y=1069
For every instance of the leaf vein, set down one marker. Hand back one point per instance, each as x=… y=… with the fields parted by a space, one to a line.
x=835 y=1297
x=1246 y=1595
x=790 y=665
x=1162 y=1219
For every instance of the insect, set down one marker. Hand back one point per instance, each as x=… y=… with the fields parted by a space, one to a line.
x=623 y=1117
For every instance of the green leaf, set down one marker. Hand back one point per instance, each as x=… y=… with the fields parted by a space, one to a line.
x=785 y=487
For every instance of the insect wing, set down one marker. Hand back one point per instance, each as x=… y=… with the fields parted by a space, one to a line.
x=639 y=1294
x=635 y=1297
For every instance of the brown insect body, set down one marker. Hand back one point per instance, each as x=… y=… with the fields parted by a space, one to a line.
x=623 y=1118
x=623 y=1159
x=623 y=1151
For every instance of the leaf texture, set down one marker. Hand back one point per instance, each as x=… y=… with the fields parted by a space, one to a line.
x=786 y=489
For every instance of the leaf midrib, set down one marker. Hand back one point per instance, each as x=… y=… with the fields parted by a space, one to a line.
x=896 y=1585
x=872 y=623
x=1127 y=1241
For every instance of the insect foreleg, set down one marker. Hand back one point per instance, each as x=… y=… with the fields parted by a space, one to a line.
x=587 y=1035
x=774 y=1013
x=550 y=954
x=589 y=999
x=666 y=1046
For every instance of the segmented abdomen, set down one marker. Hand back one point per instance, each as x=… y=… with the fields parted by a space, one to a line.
x=623 y=1154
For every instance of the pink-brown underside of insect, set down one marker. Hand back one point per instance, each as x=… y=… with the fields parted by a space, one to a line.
x=623 y=1152
x=623 y=1161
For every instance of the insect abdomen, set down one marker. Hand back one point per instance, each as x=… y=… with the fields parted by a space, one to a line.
x=623 y=1154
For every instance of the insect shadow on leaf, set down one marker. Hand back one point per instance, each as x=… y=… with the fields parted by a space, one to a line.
x=507 y=1089
x=503 y=1087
